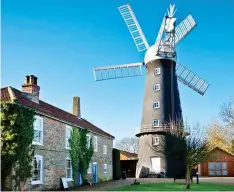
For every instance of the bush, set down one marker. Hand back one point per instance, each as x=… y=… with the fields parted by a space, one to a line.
x=116 y=164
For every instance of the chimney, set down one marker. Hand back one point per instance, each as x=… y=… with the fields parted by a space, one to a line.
x=76 y=107
x=30 y=88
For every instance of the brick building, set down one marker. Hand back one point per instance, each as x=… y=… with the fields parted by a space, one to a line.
x=52 y=129
x=219 y=163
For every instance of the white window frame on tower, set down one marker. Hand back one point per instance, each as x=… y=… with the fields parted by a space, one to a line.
x=156 y=87
x=156 y=105
x=157 y=71
x=155 y=140
x=67 y=137
x=38 y=131
x=38 y=159
x=154 y=125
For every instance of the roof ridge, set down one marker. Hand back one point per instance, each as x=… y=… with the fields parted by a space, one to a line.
x=48 y=104
x=59 y=113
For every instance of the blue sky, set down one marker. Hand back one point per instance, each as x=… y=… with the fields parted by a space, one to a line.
x=60 y=41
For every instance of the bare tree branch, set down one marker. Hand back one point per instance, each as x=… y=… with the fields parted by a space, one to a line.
x=129 y=144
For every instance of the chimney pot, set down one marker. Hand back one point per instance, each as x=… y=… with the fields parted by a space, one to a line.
x=76 y=107
x=30 y=88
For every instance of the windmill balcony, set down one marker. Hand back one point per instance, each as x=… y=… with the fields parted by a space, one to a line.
x=150 y=129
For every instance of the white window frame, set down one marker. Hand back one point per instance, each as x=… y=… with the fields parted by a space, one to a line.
x=68 y=179
x=155 y=140
x=154 y=123
x=41 y=129
x=156 y=105
x=95 y=143
x=38 y=157
x=89 y=171
x=105 y=168
x=156 y=87
x=157 y=71
x=104 y=149
x=68 y=127
x=88 y=140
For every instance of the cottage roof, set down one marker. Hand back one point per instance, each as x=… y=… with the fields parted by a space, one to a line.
x=10 y=94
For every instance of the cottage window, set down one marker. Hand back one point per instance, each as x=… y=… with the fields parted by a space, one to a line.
x=104 y=149
x=156 y=123
x=90 y=168
x=105 y=168
x=156 y=105
x=156 y=87
x=68 y=169
x=37 y=169
x=88 y=140
x=95 y=143
x=38 y=131
x=157 y=71
x=155 y=140
x=68 y=136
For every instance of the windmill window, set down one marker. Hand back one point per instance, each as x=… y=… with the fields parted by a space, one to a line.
x=156 y=105
x=156 y=123
x=156 y=87
x=157 y=71
x=155 y=140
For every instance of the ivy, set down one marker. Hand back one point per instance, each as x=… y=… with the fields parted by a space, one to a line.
x=81 y=152
x=16 y=142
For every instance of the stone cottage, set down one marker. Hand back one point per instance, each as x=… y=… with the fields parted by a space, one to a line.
x=52 y=130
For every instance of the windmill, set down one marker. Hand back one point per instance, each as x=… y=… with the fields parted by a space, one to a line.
x=162 y=99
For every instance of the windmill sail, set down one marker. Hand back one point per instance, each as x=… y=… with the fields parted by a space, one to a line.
x=134 y=27
x=183 y=28
x=190 y=79
x=117 y=71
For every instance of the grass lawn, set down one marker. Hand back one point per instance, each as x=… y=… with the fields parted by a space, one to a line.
x=176 y=187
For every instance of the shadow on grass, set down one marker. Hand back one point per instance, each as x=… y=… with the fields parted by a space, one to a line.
x=176 y=187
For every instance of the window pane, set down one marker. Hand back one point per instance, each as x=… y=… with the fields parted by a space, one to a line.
x=224 y=165
x=211 y=165
x=68 y=173
x=37 y=136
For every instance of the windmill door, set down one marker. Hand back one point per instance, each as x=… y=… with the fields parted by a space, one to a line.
x=155 y=164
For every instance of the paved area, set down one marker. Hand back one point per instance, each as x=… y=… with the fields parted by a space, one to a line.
x=119 y=183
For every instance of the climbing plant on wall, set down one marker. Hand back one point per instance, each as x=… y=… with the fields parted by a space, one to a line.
x=81 y=152
x=16 y=142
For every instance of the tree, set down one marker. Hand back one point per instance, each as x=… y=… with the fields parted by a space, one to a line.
x=129 y=144
x=218 y=136
x=188 y=150
x=227 y=113
x=81 y=152
x=17 y=134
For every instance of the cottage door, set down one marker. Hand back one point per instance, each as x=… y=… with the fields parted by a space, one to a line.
x=95 y=172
